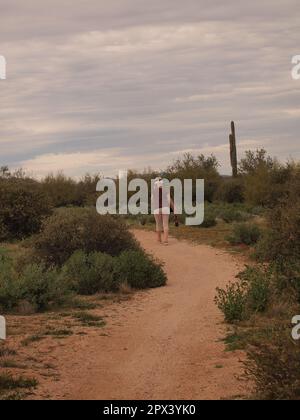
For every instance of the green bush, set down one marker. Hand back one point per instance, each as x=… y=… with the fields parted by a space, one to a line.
x=231 y=191
x=232 y=301
x=233 y=215
x=281 y=243
x=245 y=234
x=197 y=167
x=287 y=278
x=61 y=190
x=23 y=207
x=43 y=287
x=258 y=281
x=4 y=233
x=10 y=291
x=35 y=284
x=140 y=270
x=88 y=274
x=69 y=230
x=250 y=294
x=209 y=221
x=273 y=365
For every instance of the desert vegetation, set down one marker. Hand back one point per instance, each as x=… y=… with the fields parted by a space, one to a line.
x=265 y=297
x=55 y=249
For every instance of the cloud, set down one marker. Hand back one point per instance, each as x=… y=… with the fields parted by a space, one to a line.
x=99 y=84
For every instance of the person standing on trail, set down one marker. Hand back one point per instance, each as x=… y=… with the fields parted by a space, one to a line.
x=161 y=204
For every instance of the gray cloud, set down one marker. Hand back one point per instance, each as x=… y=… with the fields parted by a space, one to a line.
x=98 y=85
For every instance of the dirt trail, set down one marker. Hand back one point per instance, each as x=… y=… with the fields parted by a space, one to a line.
x=163 y=343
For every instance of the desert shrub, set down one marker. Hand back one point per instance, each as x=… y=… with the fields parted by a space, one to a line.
x=232 y=301
x=140 y=270
x=36 y=285
x=288 y=278
x=209 y=221
x=230 y=212
x=266 y=180
x=257 y=168
x=70 y=230
x=4 y=233
x=258 y=211
x=86 y=188
x=10 y=290
x=273 y=365
x=257 y=187
x=42 y=287
x=197 y=167
x=254 y=160
x=62 y=191
x=23 y=206
x=281 y=242
x=250 y=294
x=245 y=234
x=230 y=215
x=88 y=274
x=258 y=283
x=231 y=191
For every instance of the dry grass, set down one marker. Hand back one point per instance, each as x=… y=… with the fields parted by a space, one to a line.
x=24 y=354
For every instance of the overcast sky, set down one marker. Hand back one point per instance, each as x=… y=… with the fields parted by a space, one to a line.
x=103 y=85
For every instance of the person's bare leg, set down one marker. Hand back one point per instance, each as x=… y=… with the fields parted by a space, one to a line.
x=166 y=237
x=158 y=227
x=159 y=236
x=166 y=228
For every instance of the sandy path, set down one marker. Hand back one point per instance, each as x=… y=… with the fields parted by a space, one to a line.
x=162 y=344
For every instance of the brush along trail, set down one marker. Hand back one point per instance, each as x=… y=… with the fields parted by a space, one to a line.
x=163 y=343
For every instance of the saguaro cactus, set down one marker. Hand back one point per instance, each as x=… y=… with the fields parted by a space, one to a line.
x=233 y=151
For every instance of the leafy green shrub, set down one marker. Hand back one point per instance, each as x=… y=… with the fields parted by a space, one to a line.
x=209 y=221
x=266 y=180
x=273 y=365
x=10 y=291
x=140 y=270
x=232 y=301
x=23 y=207
x=258 y=281
x=61 y=190
x=232 y=215
x=88 y=274
x=281 y=243
x=197 y=167
x=287 y=278
x=43 y=287
x=245 y=234
x=91 y=273
x=4 y=233
x=75 y=229
x=35 y=284
x=251 y=294
x=258 y=211
x=231 y=191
